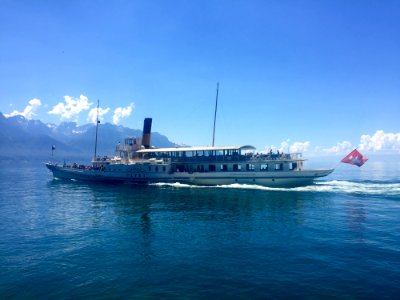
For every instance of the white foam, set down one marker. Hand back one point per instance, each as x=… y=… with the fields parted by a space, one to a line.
x=176 y=185
x=334 y=186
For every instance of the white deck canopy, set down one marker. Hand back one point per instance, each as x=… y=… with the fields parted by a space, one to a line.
x=189 y=149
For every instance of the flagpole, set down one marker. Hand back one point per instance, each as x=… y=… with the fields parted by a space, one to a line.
x=337 y=165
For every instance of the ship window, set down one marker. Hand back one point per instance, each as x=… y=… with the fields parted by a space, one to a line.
x=149 y=168
x=236 y=167
x=156 y=169
x=278 y=167
x=224 y=167
x=292 y=166
x=250 y=167
x=264 y=167
x=163 y=168
x=211 y=168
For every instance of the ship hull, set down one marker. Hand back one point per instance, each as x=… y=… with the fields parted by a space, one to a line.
x=269 y=179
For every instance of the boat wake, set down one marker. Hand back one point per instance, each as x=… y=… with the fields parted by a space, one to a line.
x=334 y=186
x=353 y=187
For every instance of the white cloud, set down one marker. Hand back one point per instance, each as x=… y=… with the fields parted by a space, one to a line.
x=340 y=147
x=122 y=112
x=380 y=141
x=285 y=146
x=29 y=111
x=92 y=116
x=71 y=108
x=299 y=147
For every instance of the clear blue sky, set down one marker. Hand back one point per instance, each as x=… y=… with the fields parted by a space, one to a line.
x=322 y=72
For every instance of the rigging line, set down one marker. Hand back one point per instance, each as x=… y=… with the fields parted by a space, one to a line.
x=215 y=114
x=97 y=128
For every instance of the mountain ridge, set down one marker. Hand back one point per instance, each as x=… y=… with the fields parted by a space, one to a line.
x=23 y=138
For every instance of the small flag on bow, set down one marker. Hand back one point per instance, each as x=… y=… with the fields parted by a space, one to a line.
x=354 y=158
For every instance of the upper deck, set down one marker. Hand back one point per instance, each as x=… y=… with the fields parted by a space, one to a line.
x=216 y=154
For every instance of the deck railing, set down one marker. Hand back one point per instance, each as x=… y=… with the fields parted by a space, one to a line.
x=233 y=158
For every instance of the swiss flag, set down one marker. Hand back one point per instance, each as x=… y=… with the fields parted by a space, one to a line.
x=354 y=158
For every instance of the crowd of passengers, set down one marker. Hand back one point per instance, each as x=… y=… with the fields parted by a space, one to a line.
x=271 y=155
x=83 y=167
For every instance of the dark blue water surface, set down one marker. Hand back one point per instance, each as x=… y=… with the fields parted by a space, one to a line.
x=68 y=240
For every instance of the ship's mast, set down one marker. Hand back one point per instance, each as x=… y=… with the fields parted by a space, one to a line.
x=215 y=114
x=97 y=128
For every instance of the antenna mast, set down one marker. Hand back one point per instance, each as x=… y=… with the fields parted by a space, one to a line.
x=97 y=128
x=215 y=114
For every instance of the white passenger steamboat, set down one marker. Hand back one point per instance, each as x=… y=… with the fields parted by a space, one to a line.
x=136 y=162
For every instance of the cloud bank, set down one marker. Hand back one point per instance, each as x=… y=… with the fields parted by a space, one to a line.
x=340 y=147
x=122 y=112
x=380 y=141
x=285 y=146
x=29 y=111
x=71 y=108
x=297 y=147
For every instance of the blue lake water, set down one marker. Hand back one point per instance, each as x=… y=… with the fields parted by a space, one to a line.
x=339 y=238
